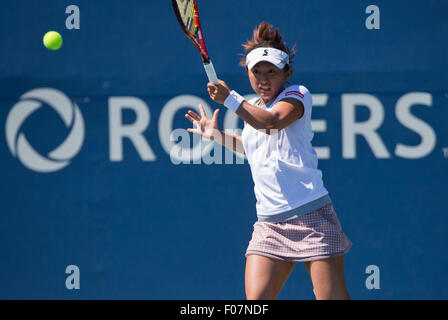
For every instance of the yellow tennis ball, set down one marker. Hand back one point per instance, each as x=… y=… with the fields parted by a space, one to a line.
x=52 y=40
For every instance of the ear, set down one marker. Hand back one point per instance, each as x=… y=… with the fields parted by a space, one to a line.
x=288 y=74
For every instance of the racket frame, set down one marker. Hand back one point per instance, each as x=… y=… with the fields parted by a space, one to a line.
x=197 y=39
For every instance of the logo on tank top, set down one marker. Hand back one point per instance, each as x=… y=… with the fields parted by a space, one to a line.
x=294 y=93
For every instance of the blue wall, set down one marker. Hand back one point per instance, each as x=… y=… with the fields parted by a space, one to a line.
x=151 y=229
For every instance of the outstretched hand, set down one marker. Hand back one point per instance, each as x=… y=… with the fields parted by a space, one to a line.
x=208 y=128
x=218 y=92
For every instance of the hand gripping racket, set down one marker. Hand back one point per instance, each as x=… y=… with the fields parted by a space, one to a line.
x=188 y=16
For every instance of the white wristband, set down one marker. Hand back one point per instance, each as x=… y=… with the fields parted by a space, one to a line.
x=233 y=101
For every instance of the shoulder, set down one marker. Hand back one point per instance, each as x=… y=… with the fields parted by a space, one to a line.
x=296 y=89
x=298 y=92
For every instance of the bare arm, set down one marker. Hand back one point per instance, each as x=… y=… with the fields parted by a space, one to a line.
x=282 y=115
x=231 y=142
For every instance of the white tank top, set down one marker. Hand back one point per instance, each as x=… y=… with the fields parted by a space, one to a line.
x=287 y=182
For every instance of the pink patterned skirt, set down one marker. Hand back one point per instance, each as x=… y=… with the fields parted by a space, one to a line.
x=312 y=236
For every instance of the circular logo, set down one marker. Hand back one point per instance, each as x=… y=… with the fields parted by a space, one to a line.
x=22 y=149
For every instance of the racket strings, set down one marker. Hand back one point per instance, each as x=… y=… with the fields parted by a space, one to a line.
x=187 y=13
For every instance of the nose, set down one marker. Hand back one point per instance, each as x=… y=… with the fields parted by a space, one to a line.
x=263 y=79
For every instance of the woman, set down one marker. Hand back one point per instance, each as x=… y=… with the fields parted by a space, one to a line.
x=296 y=219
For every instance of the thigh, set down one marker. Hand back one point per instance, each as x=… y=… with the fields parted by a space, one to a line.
x=265 y=277
x=328 y=278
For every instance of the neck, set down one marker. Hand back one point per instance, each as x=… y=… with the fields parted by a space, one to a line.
x=262 y=101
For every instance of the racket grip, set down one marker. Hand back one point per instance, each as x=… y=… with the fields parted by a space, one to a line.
x=211 y=73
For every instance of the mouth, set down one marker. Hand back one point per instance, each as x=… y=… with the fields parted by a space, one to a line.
x=264 y=90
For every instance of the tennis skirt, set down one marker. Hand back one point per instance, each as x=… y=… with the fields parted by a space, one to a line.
x=312 y=236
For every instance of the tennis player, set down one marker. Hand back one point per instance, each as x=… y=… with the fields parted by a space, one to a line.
x=296 y=218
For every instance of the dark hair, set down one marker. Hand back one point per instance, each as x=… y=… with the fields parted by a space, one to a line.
x=264 y=36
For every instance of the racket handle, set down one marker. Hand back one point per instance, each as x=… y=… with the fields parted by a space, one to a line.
x=211 y=73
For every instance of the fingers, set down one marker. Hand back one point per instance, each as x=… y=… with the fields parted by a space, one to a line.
x=190 y=118
x=211 y=84
x=215 y=115
x=222 y=84
x=194 y=115
x=195 y=122
x=201 y=109
x=212 y=88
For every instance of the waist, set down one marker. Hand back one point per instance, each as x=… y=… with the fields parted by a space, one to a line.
x=298 y=211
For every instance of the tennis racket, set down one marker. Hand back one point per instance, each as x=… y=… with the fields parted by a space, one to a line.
x=188 y=16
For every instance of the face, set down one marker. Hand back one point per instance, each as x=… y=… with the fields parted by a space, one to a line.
x=267 y=80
